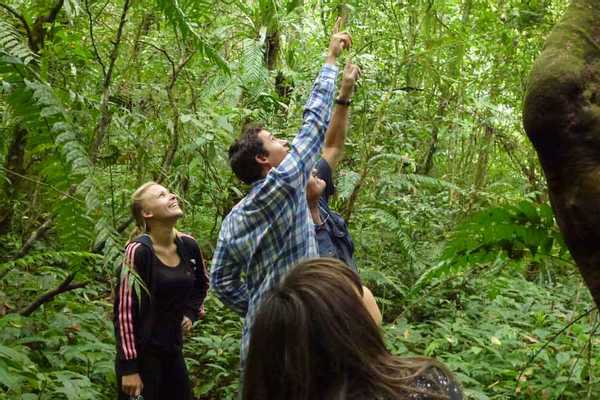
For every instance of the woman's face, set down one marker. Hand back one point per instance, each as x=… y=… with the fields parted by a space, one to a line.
x=160 y=204
x=315 y=187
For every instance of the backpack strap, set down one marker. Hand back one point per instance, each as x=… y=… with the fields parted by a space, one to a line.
x=145 y=240
x=189 y=250
x=192 y=254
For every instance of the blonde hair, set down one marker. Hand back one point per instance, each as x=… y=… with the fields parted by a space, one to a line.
x=136 y=209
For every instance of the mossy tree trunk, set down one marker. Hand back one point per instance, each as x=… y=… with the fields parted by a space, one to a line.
x=562 y=119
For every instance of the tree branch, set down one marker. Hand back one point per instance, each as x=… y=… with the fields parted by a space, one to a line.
x=38 y=33
x=53 y=13
x=68 y=194
x=169 y=155
x=91 y=30
x=105 y=115
x=174 y=145
x=39 y=232
x=65 y=286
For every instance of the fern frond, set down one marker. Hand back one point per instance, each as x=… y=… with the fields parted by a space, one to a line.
x=14 y=45
x=509 y=233
x=253 y=70
x=64 y=130
x=347 y=181
x=388 y=218
x=391 y=280
x=113 y=244
x=72 y=8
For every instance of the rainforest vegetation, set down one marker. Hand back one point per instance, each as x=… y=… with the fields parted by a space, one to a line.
x=444 y=193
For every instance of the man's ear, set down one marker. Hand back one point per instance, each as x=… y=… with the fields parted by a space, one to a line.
x=261 y=160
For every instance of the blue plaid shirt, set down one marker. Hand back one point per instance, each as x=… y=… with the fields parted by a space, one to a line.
x=270 y=229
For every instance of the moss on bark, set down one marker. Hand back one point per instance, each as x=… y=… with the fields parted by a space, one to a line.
x=562 y=119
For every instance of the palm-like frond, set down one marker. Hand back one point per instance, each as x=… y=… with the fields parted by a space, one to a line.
x=66 y=134
x=253 y=70
x=13 y=46
x=509 y=233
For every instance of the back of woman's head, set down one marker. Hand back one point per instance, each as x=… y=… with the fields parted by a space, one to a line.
x=313 y=339
x=308 y=332
x=137 y=206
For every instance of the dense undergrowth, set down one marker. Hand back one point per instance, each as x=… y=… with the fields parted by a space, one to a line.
x=500 y=319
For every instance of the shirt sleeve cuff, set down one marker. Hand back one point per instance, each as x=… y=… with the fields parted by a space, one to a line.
x=329 y=71
x=128 y=367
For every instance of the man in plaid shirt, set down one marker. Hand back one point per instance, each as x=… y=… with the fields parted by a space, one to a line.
x=271 y=229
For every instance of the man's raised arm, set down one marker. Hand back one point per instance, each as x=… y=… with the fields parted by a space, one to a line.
x=306 y=146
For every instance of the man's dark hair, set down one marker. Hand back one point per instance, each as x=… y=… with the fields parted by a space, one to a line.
x=242 y=153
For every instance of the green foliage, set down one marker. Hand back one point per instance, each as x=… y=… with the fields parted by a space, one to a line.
x=73 y=258
x=174 y=11
x=494 y=325
x=66 y=137
x=463 y=268
x=519 y=234
x=13 y=47
x=253 y=73
x=64 y=355
x=212 y=352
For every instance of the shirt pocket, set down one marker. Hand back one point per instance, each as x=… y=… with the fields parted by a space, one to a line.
x=326 y=245
x=340 y=231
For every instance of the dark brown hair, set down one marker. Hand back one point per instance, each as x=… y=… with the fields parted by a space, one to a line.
x=242 y=154
x=313 y=339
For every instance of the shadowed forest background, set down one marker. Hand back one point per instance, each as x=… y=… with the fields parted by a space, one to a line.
x=445 y=197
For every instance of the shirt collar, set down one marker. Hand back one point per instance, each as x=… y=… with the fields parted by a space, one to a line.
x=258 y=182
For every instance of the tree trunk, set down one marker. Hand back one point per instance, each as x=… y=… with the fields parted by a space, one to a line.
x=105 y=112
x=14 y=169
x=483 y=157
x=271 y=49
x=426 y=166
x=562 y=119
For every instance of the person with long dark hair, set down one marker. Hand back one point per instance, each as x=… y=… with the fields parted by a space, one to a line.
x=316 y=337
x=162 y=286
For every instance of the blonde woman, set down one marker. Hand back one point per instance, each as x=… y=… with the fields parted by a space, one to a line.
x=162 y=285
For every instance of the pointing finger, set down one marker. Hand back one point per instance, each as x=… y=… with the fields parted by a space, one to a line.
x=337 y=26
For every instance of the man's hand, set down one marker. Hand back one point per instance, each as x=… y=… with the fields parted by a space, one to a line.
x=339 y=41
x=186 y=325
x=351 y=75
x=132 y=384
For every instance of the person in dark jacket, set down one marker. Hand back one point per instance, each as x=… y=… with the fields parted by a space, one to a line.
x=331 y=231
x=316 y=337
x=162 y=286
